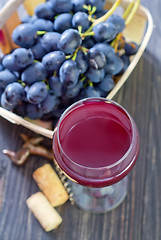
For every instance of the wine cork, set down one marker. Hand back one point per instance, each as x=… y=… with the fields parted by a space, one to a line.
x=47 y=216
x=50 y=185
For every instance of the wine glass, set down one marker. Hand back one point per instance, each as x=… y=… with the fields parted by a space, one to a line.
x=96 y=144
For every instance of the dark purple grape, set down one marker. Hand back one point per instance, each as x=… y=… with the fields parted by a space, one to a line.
x=43 y=25
x=53 y=60
x=33 y=111
x=38 y=50
x=82 y=62
x=1 y=67
x=104 y=32
x=115 y=66
x=95 y=75
x=33 y=73
x=106 y=49
x=49 y=41
x=69 y=73
x=20 y=109
x=107 y=84
x=44 y=11
x=131 y=48
x=49 y=103
x=126 y=61
x=9 y=63
x=63 y=22
x=55 y=85
x=118 y=21
x=88 y=42
x=24 y=35
x=74 y=91
x=7 y=77
x=37 y=92
x=81 y=19
x=96 y=58
x=14 y=93
x=69 y=41
x=90 y=91
x=98 y=4
x=5 y=104
x=78 y=5
x=62 y=6
x=23 y=57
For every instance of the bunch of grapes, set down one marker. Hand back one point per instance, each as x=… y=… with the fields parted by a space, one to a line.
x=63 y=56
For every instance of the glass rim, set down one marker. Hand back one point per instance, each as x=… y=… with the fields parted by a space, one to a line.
x=131 y=121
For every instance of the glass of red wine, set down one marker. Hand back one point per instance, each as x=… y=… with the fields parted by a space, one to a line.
x=96 y=144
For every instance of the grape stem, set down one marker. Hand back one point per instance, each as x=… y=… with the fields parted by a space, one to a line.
x=104 y=17
x=134 y=9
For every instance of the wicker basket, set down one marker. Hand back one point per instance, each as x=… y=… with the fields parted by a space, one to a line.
x=139 y=30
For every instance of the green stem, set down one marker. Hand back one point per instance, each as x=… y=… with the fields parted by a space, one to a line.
x=128 y=10
x=133 y=11
x=41 y=32
x=104 y=17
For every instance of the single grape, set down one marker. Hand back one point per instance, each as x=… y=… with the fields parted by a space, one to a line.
x=118 y=21
x=26 y=19
x=43 y=25
x=96 y=58
x=82 y=62
x=33 y=73
x=53 y=60
x=62 y=6
x=63 y=22
x=95 y=75
x=90 y=91
x=33 y=111
x=69 y=73
x=44 y=11
x=49 y=103
x=115 y=66
x=107 y=84
x=81 y=19
x=24 y=35
x=23 y=57
x=104 y=32
x=5 y=104
x=14 y=93
x=78 y=5
x=38 y=50
x=37 y=92
x=9 y=62
x=69 y=41
x=7 y=77
x=131 y=48
x=49 y=41
x=106 y=49
x=74 y=91
x=126 y=60
x=55 y=85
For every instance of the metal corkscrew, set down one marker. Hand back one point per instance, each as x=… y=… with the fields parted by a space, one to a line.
x=65 y=182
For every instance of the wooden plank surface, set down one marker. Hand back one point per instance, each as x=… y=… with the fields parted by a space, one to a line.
x=139 y=217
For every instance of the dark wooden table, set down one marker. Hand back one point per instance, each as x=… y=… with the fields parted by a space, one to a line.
x=139 y=217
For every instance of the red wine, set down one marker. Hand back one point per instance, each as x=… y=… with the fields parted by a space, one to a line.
x=96 y=142
x=93 y=138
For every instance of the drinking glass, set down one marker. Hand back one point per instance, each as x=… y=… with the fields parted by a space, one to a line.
x=96 y=144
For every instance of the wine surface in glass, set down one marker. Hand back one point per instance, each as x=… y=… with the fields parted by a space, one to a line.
x=96 y=141
x=92 y=139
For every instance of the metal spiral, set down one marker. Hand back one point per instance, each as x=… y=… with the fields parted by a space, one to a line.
x=65 y=182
